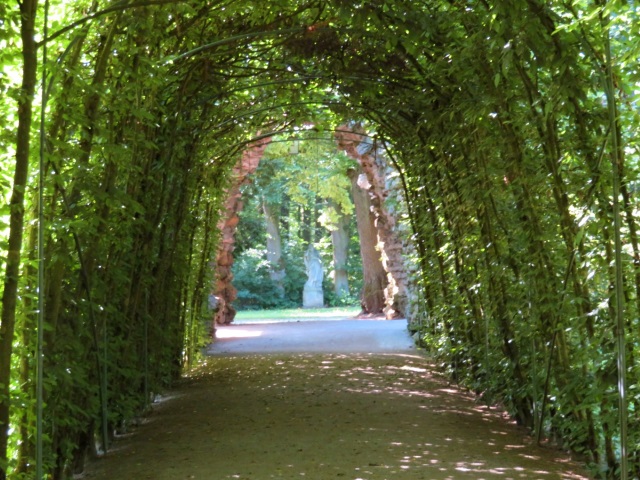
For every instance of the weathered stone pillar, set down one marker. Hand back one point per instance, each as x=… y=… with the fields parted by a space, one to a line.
x=223 y=288
x=358 y=146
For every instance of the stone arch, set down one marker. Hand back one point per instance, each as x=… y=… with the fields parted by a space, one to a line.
x=371 y=157
x=223 y=289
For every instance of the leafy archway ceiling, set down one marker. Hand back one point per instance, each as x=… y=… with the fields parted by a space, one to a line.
x=264 y=67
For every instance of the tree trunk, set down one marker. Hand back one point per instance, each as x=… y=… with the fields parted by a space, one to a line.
x=16 y=220
x=274 y=247
x=305 y=225
x=373 y=273
x=340 y=241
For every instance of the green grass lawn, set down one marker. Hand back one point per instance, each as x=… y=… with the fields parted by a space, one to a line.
x=295 y=314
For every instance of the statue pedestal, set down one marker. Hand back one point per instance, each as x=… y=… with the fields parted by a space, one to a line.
x=312 y=297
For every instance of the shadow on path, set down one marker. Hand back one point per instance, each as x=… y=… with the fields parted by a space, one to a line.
x=250 y=415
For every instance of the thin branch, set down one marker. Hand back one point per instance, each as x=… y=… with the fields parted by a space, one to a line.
x=227 y=40
x=115 y=8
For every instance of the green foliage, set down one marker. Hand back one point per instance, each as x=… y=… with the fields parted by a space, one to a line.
x=494 y=115
x=256 y=291
x=306 y=174
x=334 y=300
x=296 y=272
x=308 y=166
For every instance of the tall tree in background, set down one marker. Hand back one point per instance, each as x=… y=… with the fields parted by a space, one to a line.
x=373 y=272
x=309 y=172
x=340 y=241
x=274 y=246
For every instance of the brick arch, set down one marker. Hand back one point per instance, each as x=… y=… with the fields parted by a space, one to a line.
x=352 y=140
x=223 y=286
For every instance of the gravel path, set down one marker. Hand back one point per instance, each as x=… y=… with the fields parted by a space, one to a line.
x=357 y=416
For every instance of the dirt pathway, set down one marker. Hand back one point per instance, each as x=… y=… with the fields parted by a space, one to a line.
x=325 y=416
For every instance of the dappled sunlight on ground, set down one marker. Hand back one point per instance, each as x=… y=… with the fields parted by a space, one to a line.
x=367 y=417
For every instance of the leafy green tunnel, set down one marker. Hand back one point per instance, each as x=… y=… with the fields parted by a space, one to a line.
x=505 y=120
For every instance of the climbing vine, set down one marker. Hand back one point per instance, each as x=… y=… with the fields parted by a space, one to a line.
x=495 y=113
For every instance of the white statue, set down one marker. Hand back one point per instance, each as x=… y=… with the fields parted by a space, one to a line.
x=312 y=295
x=314 y=267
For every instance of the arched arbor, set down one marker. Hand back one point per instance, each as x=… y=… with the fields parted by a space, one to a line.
x=503 y=119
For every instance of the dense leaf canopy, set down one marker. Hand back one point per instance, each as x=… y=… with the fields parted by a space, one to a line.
x=505 y=120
